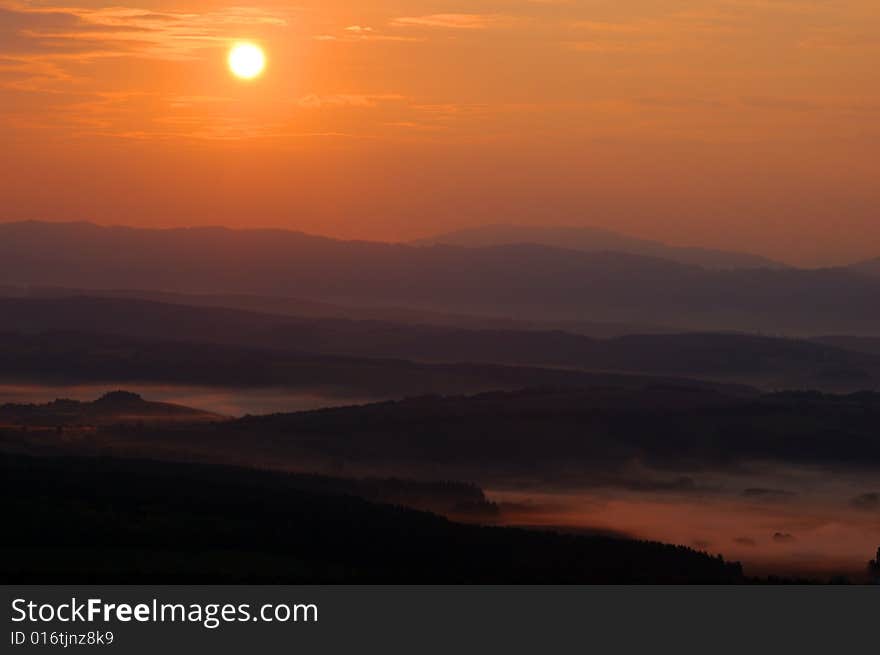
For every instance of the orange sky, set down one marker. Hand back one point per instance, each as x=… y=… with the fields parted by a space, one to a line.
x=749 y=124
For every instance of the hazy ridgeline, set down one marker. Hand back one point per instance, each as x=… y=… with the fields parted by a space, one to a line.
x=525 y=281
x=326 y=351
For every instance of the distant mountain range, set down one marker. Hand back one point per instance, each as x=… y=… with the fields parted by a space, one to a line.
x=526 y=282
x=82 y=358
x=299 y=308
x=871 y=267
x=592 y=239
x=858 y=344
x=834 y=364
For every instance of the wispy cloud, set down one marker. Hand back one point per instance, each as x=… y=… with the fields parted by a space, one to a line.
x=50 y=34
x=356 y=33
x=44 y=51
x=455 y=21
x=317 y=101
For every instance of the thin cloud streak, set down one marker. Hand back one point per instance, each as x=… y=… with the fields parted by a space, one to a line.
x=455 y=21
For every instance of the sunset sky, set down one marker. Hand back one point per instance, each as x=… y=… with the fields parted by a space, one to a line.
x=743 y=124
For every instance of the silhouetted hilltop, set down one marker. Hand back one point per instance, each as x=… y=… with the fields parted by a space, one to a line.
x=120 y=398
x=529 y=282
x=106 y=521
x=111 y=408
x=595 y=436
x=592 y=239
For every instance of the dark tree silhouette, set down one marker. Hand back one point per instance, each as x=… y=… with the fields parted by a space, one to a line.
x=99 y=519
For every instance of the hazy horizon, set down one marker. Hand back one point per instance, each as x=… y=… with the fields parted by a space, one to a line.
x=728 y=124
x=413 y=240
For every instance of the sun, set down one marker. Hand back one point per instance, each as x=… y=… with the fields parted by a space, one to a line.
x=246 y=60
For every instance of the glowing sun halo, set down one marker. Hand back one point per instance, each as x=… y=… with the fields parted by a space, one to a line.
x=246 y=60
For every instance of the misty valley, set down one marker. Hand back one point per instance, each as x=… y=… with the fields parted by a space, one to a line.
x=244 y=434
x=589 y=462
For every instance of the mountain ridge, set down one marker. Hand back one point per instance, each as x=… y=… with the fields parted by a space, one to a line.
x=869 y=267
x=768 y=362
x=528 y=282
x=593 y=239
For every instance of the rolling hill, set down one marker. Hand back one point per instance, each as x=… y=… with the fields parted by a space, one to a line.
x=78 y=358
x=83 y=520
x=526 y=282
x=299 y=308
x=593 y=436
x=113 y=408
x=767 y=362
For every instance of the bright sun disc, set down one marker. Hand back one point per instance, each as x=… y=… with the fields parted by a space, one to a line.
x=246 y=60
